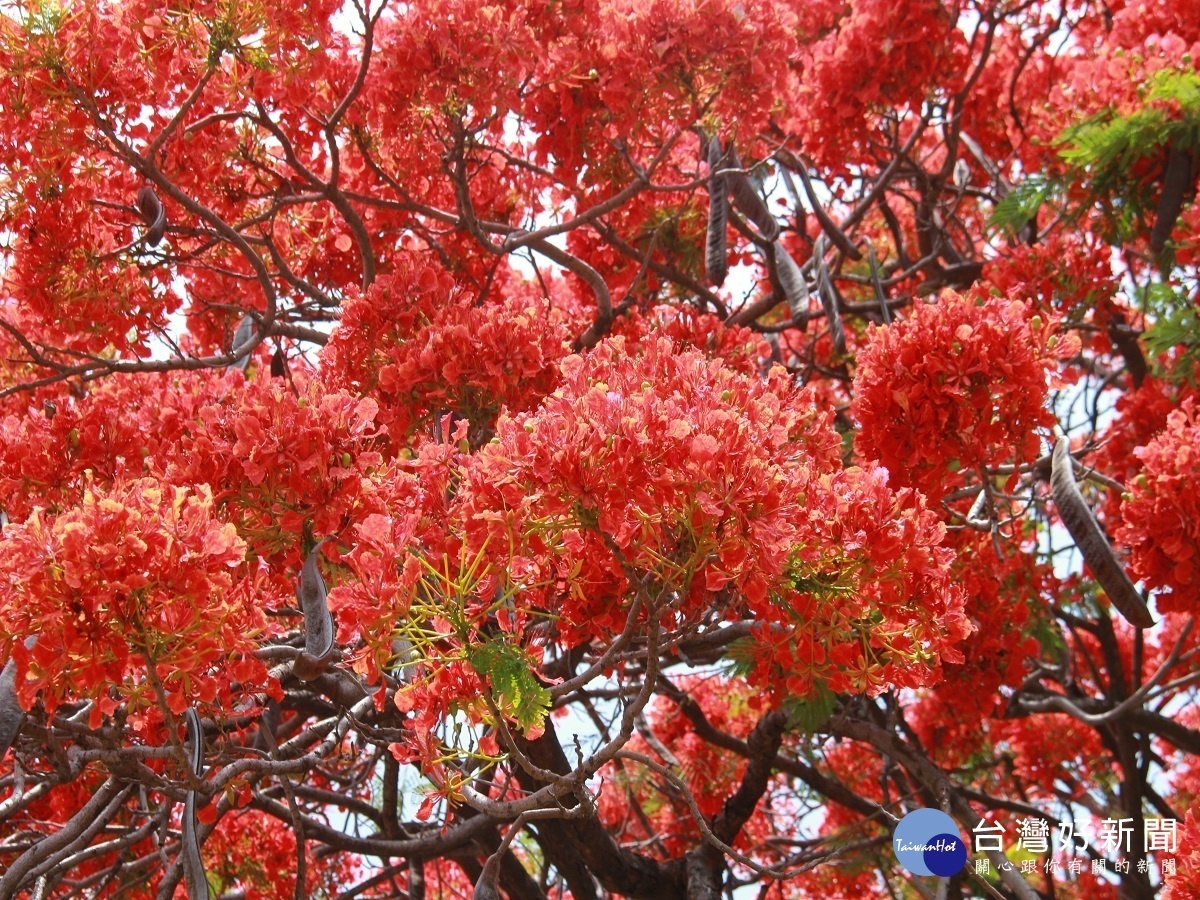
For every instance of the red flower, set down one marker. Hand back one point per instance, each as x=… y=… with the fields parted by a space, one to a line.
x=1184 y=883
x=424 y=348
x=962 y=383
x=1160 y=518
x=134 y=586
x=665 y=464
x=670 y=474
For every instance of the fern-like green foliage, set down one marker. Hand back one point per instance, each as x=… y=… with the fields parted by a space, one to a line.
x=1021 y=204
x=1108 y=142
x=741 y=657
x=807 y=714
x=508 y=670
x=1118 y=156
x=1176 y=327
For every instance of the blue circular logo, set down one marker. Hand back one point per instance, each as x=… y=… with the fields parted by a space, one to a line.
x=928 y=842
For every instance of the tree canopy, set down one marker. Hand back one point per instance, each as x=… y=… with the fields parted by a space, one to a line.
x=598 y=448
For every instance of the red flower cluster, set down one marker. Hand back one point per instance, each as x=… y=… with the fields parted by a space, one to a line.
x=76 y=290
x=50 y=455
x=1184 y=883
x=386 y=557
x=1160 y=518
x=255 y=854
x=1070 y=273
x=282 y=462
x=1140 y=415
x=1050 y=748
x=1008 y=599
x=669 y=474
x=277 y=461
x=872 y=603
x=849 y=69
x=1138 y=40
x=661 y=465
x=134 y=588
x=962 y=383
x=422 y=346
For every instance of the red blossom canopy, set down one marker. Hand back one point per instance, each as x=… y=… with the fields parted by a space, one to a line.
x=597 y=448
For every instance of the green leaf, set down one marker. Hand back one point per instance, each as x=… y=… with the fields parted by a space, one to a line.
x=509 y=672
x=221 y=39
x=1118 y=156
x=810 y=713
x=259 y=58
x=1175 y=332
x=1020 y=205
x=1180 y=85
x=1050 y=639
x=741 y=656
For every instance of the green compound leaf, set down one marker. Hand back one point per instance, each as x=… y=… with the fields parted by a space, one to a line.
x=508 y=670
x=807 y=714
x=1021 y=205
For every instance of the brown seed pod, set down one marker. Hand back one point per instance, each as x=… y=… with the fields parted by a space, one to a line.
x=193 y=867
x=1177 y=178
x=153 y=214
x=747 y=200
x=278 y=364
x=241 y=337
x=1084 y=530
x=831 y=229
x=795 y=288
x=829 y=300
x=11 y=714
x=318 y=623
x=716 y=263
x=307 y=667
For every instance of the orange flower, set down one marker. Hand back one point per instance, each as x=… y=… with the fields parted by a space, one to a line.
x=135 y=586
x=960 y=384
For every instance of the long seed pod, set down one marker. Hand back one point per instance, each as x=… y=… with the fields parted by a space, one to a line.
x=153 y=214
x=11 y=714
x=1176 y=180
x=318 y=623
x=829 y=298
x=241 y=337
x=193 y=867
x=880 y=295
x=747 y=201
x=716 y=262
x=795 y=288
x=1084 y=530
